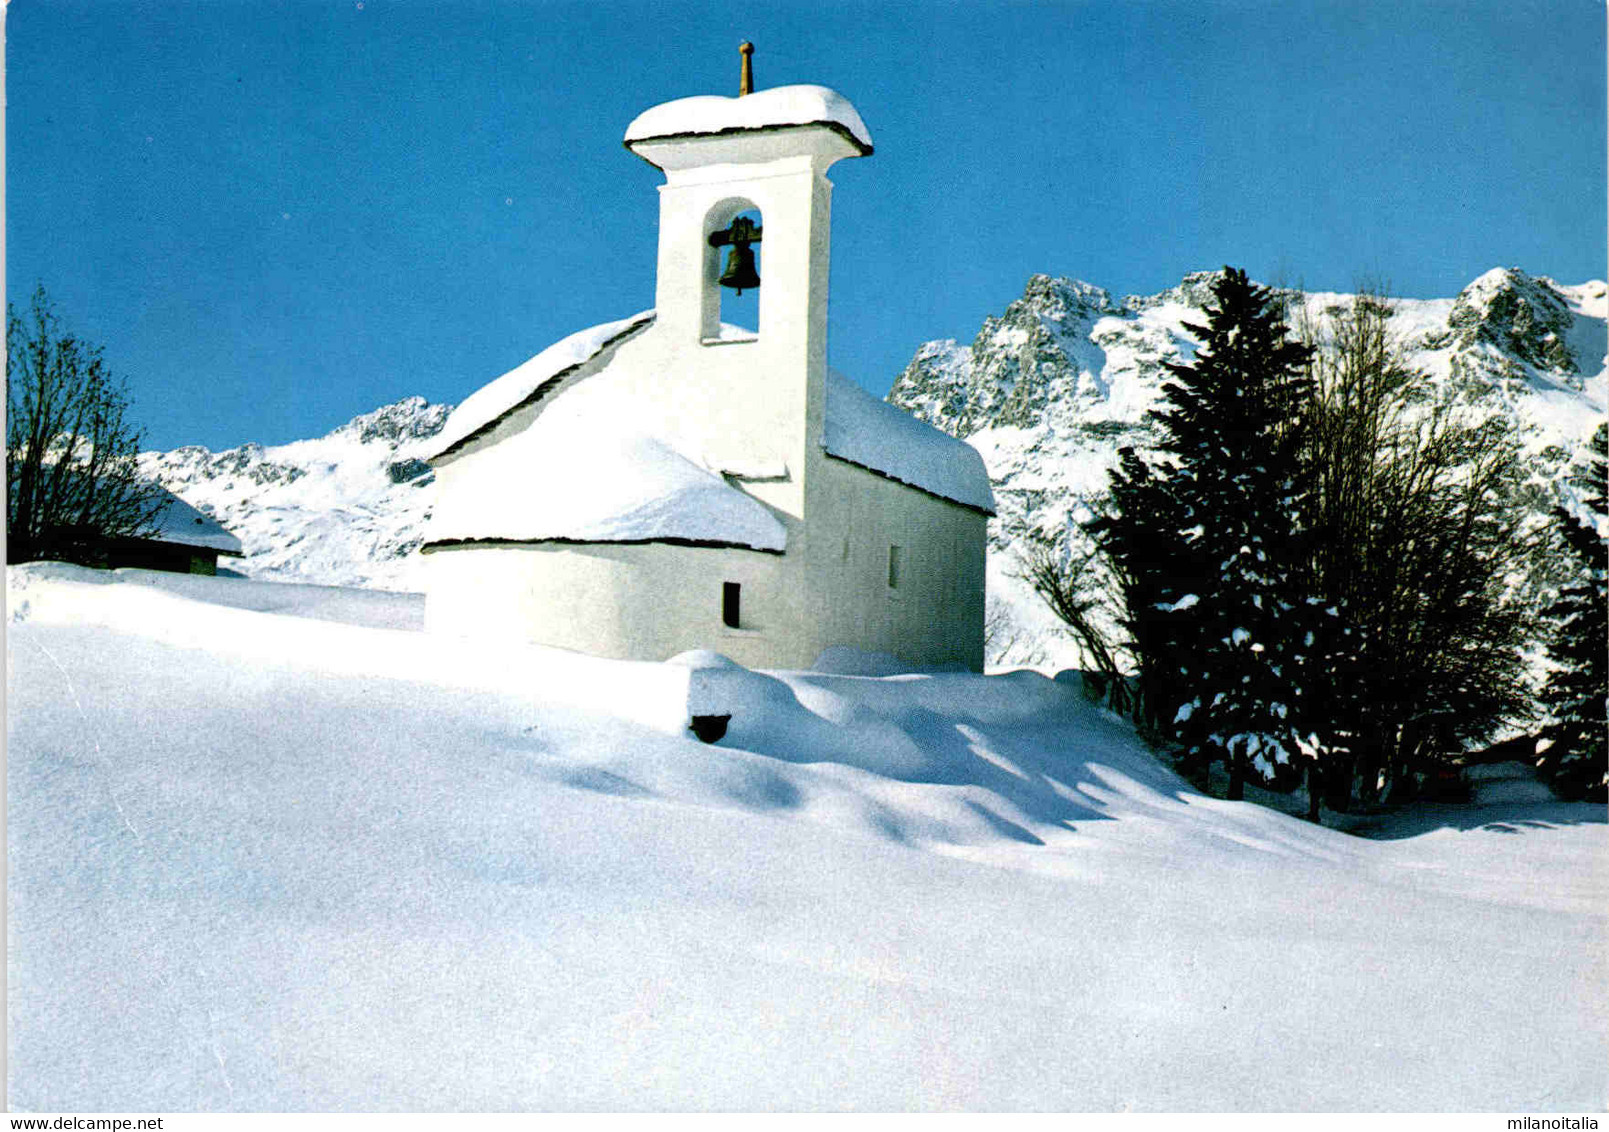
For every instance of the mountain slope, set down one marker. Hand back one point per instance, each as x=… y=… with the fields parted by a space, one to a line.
x=346 y=509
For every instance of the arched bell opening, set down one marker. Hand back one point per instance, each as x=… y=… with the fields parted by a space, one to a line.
x=732 y=272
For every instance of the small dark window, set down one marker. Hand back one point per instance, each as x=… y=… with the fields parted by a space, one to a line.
x=893 y=567
x=730 y=595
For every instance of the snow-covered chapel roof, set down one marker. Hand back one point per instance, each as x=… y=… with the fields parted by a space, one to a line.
x=712 y=114
x=482 y=409
x=859 y=429
x=885 y=439
x=583 y=487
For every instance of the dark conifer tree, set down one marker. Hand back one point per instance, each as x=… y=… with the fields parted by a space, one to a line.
x=1156 y=570
x=1575 y=695
x=1210 y=541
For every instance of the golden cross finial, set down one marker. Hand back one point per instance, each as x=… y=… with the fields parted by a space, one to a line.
x=745 y=82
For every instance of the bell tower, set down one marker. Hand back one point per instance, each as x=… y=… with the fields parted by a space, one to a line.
x=765 y=152
x=762 y=158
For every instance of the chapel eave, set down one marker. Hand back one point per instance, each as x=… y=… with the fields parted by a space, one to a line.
x=529 y=391
x=667 y=540
x=635 y=145
x=986 y=512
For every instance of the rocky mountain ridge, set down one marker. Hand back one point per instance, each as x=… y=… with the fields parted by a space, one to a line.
x=1052 y=388
x=347 y=508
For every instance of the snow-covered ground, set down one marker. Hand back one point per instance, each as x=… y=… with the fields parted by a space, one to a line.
x=271 y=847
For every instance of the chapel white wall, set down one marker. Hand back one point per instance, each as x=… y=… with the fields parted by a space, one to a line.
x=934 y=615
x=650 y=602
x=627 y=602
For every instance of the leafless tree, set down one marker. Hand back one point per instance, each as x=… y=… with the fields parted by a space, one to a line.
x=1073 y=585
x=71 y=475
x=1419 y=528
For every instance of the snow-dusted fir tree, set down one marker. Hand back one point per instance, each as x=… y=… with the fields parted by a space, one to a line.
x=1160 y=575
x=1222 y=519
x=1576 y=691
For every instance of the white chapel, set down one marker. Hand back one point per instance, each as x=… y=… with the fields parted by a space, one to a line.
x=674 y=481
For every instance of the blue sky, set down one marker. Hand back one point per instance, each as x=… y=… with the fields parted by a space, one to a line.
x=274 y=216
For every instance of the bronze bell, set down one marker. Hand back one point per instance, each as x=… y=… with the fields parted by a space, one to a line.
x=740 y=272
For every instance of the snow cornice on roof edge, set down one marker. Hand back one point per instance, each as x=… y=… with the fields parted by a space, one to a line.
x=780 y=108
x=631 y=488
x=690 y=543
x=529 y=382
x=988 y=512
x=884 y=439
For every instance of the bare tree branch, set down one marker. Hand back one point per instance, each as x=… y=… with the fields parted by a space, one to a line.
x=71 y=470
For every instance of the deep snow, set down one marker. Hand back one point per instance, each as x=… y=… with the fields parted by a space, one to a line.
x=270 y=847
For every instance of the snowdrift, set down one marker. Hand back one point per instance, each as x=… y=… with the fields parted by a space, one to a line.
x=272 y=848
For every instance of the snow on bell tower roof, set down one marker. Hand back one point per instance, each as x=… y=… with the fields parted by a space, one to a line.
x=780 y=108
x=707 y=115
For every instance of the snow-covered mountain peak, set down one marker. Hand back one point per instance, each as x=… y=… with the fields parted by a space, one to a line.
x=1038 y=353
x=1058 y=298
x=1194 y=291
x=1528 y=318
x=1064 y=353
x=411 y=418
